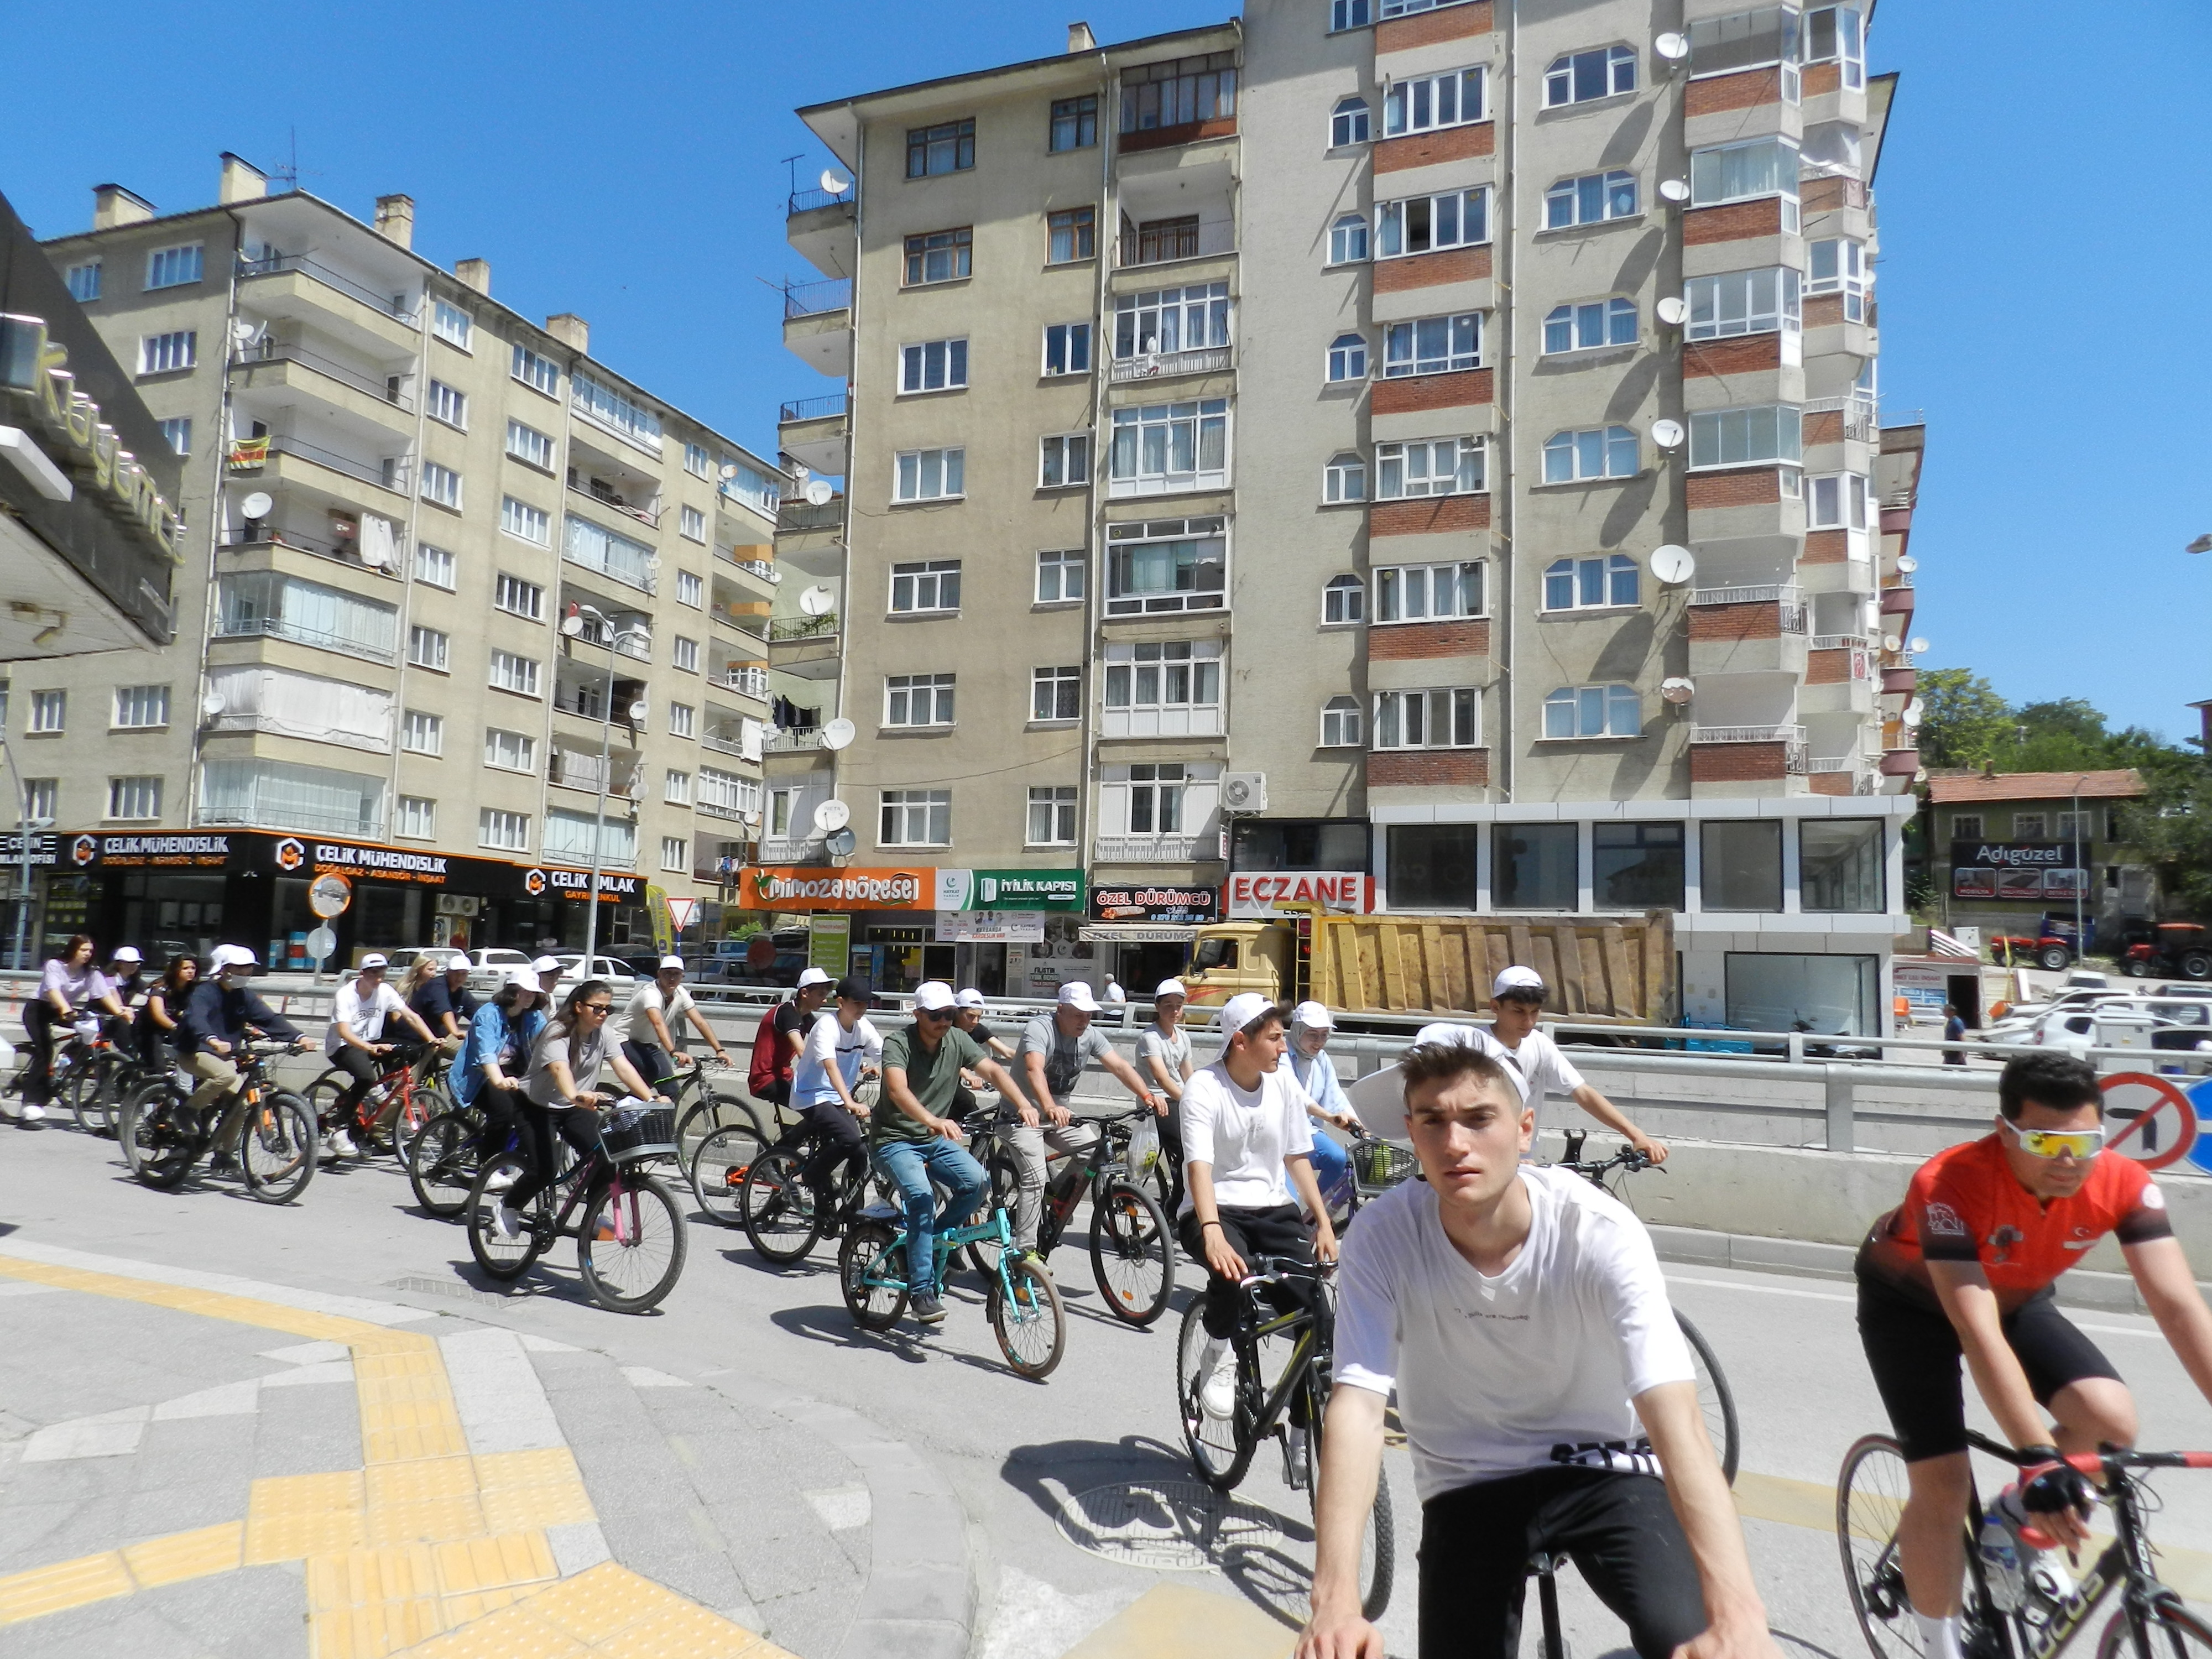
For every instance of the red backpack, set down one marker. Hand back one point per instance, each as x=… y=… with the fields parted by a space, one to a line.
x=771 y=1061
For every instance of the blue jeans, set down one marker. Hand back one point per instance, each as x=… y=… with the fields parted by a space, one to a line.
x=1332 y=1165
x=910 y=1166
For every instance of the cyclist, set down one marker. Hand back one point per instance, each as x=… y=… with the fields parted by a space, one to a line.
x=968 y=1016
x=838 y=1052
x=1165 y=1048
x=221 y=1012
x=1547 y=1396
x=1965 y=1266
x=158 y=1031
x=126 y=979
x=490 y=1073
x=1316 y=1072
x=69 y=990
x=353 y=1041
x=651 y=1029
x=437 y=991
x=560 y=1089
x=1516 y=1001
x=915 y=1140
x=1054 y=1050
x=548 y=969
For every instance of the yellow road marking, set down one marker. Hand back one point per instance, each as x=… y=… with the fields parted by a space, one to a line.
x=1176 y=1621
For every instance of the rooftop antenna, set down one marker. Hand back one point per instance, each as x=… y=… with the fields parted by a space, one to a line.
x=288 y=174
x=791 y=170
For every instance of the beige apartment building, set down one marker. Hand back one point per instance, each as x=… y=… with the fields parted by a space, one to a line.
x=1433 y=441
x=440 y=560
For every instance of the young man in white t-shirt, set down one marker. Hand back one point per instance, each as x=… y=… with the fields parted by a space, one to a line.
x=1547 y=1393
x=835 y=1054
x=650 y=1029
x=353 y=1042
x=1516 y=1003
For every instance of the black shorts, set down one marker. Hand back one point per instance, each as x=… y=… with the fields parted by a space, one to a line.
x=1915 y=1355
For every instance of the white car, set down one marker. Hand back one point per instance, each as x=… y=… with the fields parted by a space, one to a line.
x=489 y=965
x=606 y=968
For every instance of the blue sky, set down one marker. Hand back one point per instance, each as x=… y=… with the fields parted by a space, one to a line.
x=2042 y=252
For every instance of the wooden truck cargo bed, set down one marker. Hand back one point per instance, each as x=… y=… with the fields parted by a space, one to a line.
x=1594 y=967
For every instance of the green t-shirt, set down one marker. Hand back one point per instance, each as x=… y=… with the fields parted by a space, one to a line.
x=934 y=1080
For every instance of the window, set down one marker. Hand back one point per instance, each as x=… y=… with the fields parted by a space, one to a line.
x=1059 y=576
x=1170 y=447
x=1067 y=348
x=675 y=853
x=1171 y=319
x=1607 y=452
x=1591 y=584
x=949 y=147
x=2026 y=826
x=1742 y=860
x=44 y=794
x=1179 y=92
x=1431 y=466
x=1344 y=479
x=1156 y=798
x=448 y=405
x=1166 y=566
x=930 y=475
x=1158 y=687
x=49 y=710
x=1056 y=694
x=510 y=672
x=915 y=818
x=137 y=707
x=1052 y=816
x=1739 y=172
x=441 y=484
x=1765 y=37
x=426 y=649
x=1348 y=13
x=1428 y=592
x=1636 y=866
x=779 y=812
x=84 y=282
x=1343 y=601
x=1740 y=437
x=676 y=787
x=1074 y=123
x=509 y=832
x=135 y=797
x=1743 y=302
x=1590 y=325
x=681 y=716
x=1432 y=345
x=1535 y=866
x=1433 y=101
x=1594 y=711
x=1340 y=723
x=690 y=589
x=685 y=656
x=528 y=523
x=1428 y=719
x=510 y=751
x=177 y=433
x=939 y=255
x=697 y=462
x=541 y=373
x=933 y=365
x=692 y=525
x=1347 y=239
x=1347 y=357
x=1582 y=77
x=1840 y=865
x=624 y=415
x=451 y=323
x=759 y=490
x=168 y=353
x=1840 y=266
x=1837 y=502
x=416 y=818
x=1071 y=234
x=1966 y=826
x=1591 y=199
x=1347 y=121
x=1458 y=218
x=918 y=699
x=436 y=566
x=531 y=446
x=1834 y=34
x=934 y=585
x=1064 y=459
x=2069 y=825
x=173 y=267
x=422 y=733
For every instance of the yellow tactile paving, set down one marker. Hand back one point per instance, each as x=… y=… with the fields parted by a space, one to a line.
x=239 y=1309
x=1176 y=1621
x=423 y=1481
x=430 y=1522
x=346 y=1578
x=183 y=1555
x=687 y=1632
x=291 y=1516
x=513 y=1632
x=373 y=1629
x=520 y=1489
x=596 y=1603
x=476 y=1565
x=64 y=1585
x=460 y=1609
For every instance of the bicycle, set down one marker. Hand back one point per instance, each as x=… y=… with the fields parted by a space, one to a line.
x=163 y=1135
x=1377 y=1166
x=723 y=1156
x=99 y=1074
x=713 y=1109
x=1022 y=1304
x=399 y=1102
x=1296 y=1347
x=631 y=1240
x=782 y=1216
x=2150 y=1622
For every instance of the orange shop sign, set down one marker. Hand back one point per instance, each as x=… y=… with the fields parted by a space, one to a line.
x=815 y=887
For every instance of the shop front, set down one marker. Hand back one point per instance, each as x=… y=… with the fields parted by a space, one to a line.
x=1005 y=927
x=1142 y=932
x=888 y=915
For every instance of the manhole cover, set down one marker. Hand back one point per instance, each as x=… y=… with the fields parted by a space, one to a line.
x=1167 y=1526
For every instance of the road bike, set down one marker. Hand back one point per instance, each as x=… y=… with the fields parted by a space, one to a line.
x=406 y=1095
x=1281 y=1386
x=2148 y=1620
x=163 y=1134
x=1022 y=1303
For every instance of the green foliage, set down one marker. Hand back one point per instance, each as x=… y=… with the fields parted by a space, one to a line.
x=2173 y=829
x=1966 y=723
x=1964 y=720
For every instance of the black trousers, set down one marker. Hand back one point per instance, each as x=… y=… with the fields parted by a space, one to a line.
x=651 y=1062
x=578 y=1125
x=1618 y=1529
x=364 y=1068
x=47 y=1031
x=840 y=1143
x=1279 y=1229
x=503 y=1110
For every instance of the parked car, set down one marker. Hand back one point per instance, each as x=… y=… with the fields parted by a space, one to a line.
x=2178 y=950
x=608 y=968
x=489 y=966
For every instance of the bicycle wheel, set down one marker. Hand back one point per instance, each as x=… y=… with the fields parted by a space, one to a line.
x=503 y=1258
x=2165 y=1630
x=88 y=1090
x=718 y=1171
x=277 y=1147
x=1031 y=1324
x=135 y=1120
x=632 y=1244
x=1132 y=1253
x=871 y=1273
x=711 y=1112
x=777 y=1208
x=413 y=1115
x=166 y=1153
x=1870 y=1496
x=441 y=1165
x=983 y=1254
x=1716 y=1399
x=1220 y=1448
x=322 y=1098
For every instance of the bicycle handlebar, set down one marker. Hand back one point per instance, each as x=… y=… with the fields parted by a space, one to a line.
x=2096 y=1462
x=1276 y=1268
x=1628 y=1157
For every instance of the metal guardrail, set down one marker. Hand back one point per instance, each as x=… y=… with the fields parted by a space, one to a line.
x=805 y=201
x=804 y=628
x=270 y=351
x=278 y=263
x=810 y=408
x=817 y=298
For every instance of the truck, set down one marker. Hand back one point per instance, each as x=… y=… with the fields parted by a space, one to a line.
x=1607 y=969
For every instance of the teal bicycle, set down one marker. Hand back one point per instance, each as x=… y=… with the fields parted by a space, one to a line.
x=1022 y=1304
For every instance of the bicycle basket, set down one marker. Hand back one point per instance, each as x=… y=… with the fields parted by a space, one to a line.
x=1379 y=1166
x=649 y=1133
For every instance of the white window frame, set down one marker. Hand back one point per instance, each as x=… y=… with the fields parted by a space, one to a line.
x=951 y=366
x=1967 y=826
x=509 y=751
x=1063 y=343
x=1575 y=314
x=510 y=670
x=1840 y=500
x=1347 y=359
x=924 y=585
x=518 y=598
x=170 y=353
x=448 y=405
x=185 y=263
x=422 y=732
x=1710 y=185
x=1345 y=593
x=676 y=787
x=900 y=812
x=1577 y=704
x=441 y=486
x=1850 y=53
x=1605 y=442
x=1344 y=479
x=1164 y=688
x=1407 y=719
x=1404 y=470
x=177 y=432
x=690 y=589
x=1343 y=723
x=1053 y=688
x=1350 y=122
x=1064 y=461
x=676 y=853
x=1729 y=304
x=1207 y=422
x=134 y=800
x=1349 y=15
x=518 y=519
x=453 y=325
x=691 y=525
x=1404 y=342
x=140 y=709
x=696 y=461
x=1411 y=218
x=911 y=470
x=538 y=372
x=428 y=648
x=1416 y=105
x=1611 y=569
x=911 y=700
x=1164 y=532
x=84 y=281
x=49 y=712
x=683 y=719
x=1069 y=570
x=1195 y=317
x=1407 y=593
x=436 y=566
x=683 y=654
x=1714 y=432
x=1563 y=74
x=1351 y=240
x=526 y=444
x=414 y=817
x=1576 y=193
x=507 y=832
x=1851 y=273
x=1057 y=804
x=2031 y=826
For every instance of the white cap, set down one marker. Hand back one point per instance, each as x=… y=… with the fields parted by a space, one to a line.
x=458 y=964
x=230 y=956
x=933 y=994
x=677 y=963
x=1077 y=995
x=373 y=959
x=1444 y=1031
x=126 y=953
x=1516 y=979
x=971 y=998
x=1170 y=987
x=546 y=965
x=520 y=979
x=1237 y=1012
x=813 y=976
x=1313 y=1017
x=1473 y=1036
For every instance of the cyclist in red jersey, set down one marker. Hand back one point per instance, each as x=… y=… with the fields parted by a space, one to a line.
x=1965 y=1267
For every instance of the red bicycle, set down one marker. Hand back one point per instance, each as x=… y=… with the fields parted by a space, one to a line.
x=391 y=1111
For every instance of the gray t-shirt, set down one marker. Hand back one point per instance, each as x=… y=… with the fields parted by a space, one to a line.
x=1064 y=1056
x=1172 y=1052
x=582 y=1057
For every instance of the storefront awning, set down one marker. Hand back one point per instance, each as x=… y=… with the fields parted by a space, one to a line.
x=1136 y=933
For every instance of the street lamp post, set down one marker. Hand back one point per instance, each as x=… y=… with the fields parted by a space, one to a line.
x=2081 y=874
x=573 y=626
x=26 y=828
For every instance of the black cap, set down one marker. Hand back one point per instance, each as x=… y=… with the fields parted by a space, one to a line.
x=854 y=988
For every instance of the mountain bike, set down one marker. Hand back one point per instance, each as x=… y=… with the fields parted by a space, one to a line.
x=714 y=1108
x=1282 y=1382
x=163 y=1135
x=783 y=1217
x=396 y=1107
x=2149 y=1621
x=1022 y=1303
x=101 y=1073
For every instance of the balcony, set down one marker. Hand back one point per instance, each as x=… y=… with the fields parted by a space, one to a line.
x=720 y=745
x=803 y=645
x=299 y=289
x=822 y=229
x=743 y=681
x=271 y=369
x=1733 y=756
x=647 y=516
x=812 y=430
x=1857 y=421
x=1152 y=849
x=1788 y=734
x=1170 y=241
x=1747 y=629
x=715 y=808
x=239 y=627
x=285 y=459
x=574 y=770
x=266 y=547
x=799 y=742
x=818 y=326
x=1162 y=366
x=792 y=849
x=805 y=527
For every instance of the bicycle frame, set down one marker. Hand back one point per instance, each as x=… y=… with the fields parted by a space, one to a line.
x=996 y=1230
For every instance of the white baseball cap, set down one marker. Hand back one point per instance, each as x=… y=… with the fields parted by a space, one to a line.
x=374 y=959
x=126 y=953
x=230 y=956
x=1473 y=1036
x=677 y=963
x=520 y=979
x=933 y=994
x=813 y=976
x=1077 y=995
x=458 y=964
x=1313 y=1017
x=971 y=998
x=1170 y=987
x=546 y=965
x=1516 y=979
x=1237 y=1012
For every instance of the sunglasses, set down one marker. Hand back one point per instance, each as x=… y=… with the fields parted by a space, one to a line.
x=2079 y=1144
x=934 y=1013
x=595 y=1007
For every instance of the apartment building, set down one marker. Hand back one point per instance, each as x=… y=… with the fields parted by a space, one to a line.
x=1429 y=441
x=439 y=563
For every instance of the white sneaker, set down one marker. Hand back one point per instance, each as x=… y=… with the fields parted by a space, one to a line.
x=32 y=1113
x=1294 y=1459
x=1216 y=1387
x=342 y=1143
x=500 y=1179
x=506 y=1224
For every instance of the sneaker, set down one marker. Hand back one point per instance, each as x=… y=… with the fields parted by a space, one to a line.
x=32 y=1113
x=506 y=1224
x=341 y=1143
x=1294 y=1459
x=223 y=1164
x=1216 y=1387
x=928 y=1310
x=499 y=1180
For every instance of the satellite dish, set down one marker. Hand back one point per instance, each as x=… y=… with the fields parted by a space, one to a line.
x=1920 y=774
x=638 y=711
x=840 y=843
x=831 y=816
x=818 y=492
x=213 y=704
x=1671 y=312
x=1911 y=715
x=838 y=734
x=257 y=505
x=1917 y=645
x=1678 y=691
x=1675 y=190
x=833 y=184
x=816 y=601
x=1668 y=434
x=1907 y=565
x=1891 y=643
x=652 y=564
x=1671 y=46
x=572 y=622
x=775 y=577
x=1673 y=564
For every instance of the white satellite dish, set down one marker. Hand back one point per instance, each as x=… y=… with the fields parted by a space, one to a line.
x=838 y=734
x=840 y=843
x=833 y=184
x=818 y=492
x=831 y=816
x=1673 y=564
x=638 y=711
x=1907 y=565
x=1891 y=643
x=213 y=704
x=1672 y=312
x=816 y=601
x=1920 y=774
x=572 y=626
x=1913 y=716
x=1917 y=645
x=775 y=577
x=257 y=505
x=1668 y=434
x=1676 y=190
x=1678 y=691
x=1671 y=46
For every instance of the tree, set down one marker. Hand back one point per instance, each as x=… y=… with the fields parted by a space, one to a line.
x=2172 y=828
x=1964 y=722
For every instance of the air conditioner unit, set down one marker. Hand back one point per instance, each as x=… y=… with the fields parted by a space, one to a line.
x=1244 y=792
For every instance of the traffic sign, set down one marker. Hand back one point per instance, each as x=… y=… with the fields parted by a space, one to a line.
x=328 y=896
x=322 y=945
x=2158 y=1125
